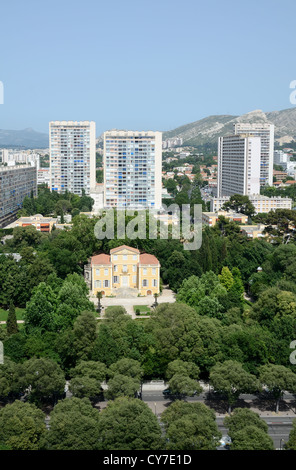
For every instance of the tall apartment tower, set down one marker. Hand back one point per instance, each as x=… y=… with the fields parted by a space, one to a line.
x=238 y=165
x=266 y=132
x=132 y=169
x=72 y=146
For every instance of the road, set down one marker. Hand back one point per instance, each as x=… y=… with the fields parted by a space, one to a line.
x=279 y=427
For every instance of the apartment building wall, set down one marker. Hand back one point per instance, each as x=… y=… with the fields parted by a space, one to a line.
x=16 y=182
x=238 y=165
x=132 y=169
x=72 y=156
x=266 y=133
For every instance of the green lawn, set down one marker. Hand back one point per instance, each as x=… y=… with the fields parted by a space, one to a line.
x=19 y=314
x=144 y=309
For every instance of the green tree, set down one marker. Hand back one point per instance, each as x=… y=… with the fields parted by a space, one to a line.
x=251 y=438
x=86 y=379
x=44 y=378
x=291 y=444
x=226 y=278
x=278 y=379
x=190 y=426
x=22 y=426
x=182 y=385
x=122 y=386
x=11 y=323
x=241 y=204
x=129 y=424
x=73 y=426
x=127 y=367
x=242 y=417
x=182 y=368
x=230 y=379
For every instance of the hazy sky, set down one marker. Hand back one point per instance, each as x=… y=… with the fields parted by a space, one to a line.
x=140 y=65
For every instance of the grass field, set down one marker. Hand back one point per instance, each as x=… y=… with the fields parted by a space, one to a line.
x=144 y=309
x=19 y=314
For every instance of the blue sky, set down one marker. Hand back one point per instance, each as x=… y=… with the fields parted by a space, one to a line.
x=143 y=64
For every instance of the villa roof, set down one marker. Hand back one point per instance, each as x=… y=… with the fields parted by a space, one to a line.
x=145 y=258
x=100 y=259
x=124 y=247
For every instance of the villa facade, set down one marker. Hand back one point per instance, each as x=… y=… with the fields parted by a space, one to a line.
x=125 y=271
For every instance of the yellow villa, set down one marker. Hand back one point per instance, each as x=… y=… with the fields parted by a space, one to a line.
x=124 y=272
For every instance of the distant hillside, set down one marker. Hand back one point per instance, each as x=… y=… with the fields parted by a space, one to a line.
x=208 y=130
x=27 y=138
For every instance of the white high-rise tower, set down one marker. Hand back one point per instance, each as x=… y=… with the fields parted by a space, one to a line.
x=132 y=169
x=266 y=132
x=72 y=146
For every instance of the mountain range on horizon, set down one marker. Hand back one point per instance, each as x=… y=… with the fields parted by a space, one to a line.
x=202 y=131
x=208 y=130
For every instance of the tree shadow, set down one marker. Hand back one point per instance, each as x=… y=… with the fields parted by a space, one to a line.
x=220 y=405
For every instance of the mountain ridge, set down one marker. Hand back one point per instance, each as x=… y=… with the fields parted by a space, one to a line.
x=207 y=130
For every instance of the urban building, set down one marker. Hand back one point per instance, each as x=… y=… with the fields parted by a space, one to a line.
x=132 y=169
x=12 y=157
x=42 y=224
x=210 y=218
x=16 y=182
x=125 y=272
x=97 y=194
x=43 y=176
x=254 y=231
x=261 y=203
x=72 y=147
x=238 y=165
x=266 y=133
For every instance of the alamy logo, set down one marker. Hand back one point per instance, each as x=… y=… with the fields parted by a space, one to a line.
x=1 y=353
x=293 y=94
x=1 y=93
x=184 y=225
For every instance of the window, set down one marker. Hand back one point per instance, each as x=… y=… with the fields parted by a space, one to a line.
x=115 y=279
x=124 y=257
x=124 y=268
x=97 y=284
x=145 y=283
x=115 y=257
x=106 y=271
x=134 y=268
x=154 y=282
x=144 y=270
x=106 y=283
x=97 y=272
x=153 y=271
x=135 y=257
x=134 y=279
x=115 y=268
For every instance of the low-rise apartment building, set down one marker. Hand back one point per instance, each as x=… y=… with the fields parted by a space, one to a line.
x=42 y=224
x=210 y=218
x=261 y=203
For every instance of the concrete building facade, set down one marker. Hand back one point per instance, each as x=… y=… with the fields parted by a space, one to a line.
x=72 y=146
x=16 y=182
x=266 y=133
x=132 y=169
x=238 y=165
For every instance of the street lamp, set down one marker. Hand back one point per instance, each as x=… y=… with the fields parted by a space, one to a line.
x=281 y=443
